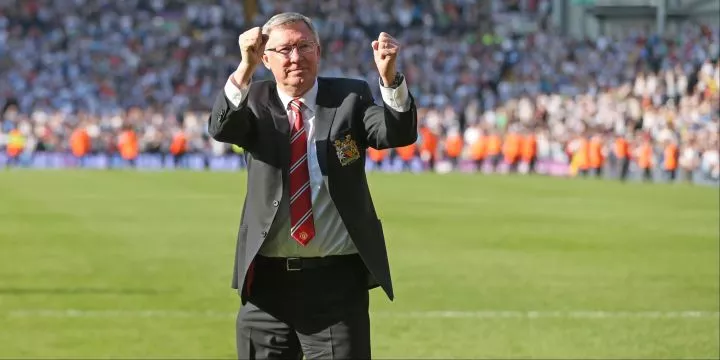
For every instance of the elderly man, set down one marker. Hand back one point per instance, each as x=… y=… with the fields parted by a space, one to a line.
x=310 y=245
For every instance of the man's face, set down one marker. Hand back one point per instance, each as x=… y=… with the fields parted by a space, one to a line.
x=292 y=55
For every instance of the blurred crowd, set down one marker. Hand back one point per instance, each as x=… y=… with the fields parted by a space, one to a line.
x=139 y=76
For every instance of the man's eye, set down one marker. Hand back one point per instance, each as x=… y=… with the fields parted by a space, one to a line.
x=284 y=49
x=304 y=47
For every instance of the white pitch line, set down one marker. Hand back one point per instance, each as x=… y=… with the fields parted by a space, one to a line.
x=490 y=314
x=586 y=314
x=77 y=313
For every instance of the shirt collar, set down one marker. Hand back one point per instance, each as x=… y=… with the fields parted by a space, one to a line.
x=308 y=99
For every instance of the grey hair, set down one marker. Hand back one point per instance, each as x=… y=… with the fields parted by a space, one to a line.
x=286 y=18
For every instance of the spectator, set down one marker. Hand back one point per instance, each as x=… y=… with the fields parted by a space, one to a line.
x=152 y=65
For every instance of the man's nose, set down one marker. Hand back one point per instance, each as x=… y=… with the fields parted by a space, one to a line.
x=294 y=54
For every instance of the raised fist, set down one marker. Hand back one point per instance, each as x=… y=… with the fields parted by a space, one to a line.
x=385 y=51
x=252 y=45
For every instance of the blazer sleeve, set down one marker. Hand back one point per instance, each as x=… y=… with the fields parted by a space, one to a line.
x=386 y=127
x=232 y=121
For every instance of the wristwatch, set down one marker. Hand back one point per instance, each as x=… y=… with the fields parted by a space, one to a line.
x=398 y=80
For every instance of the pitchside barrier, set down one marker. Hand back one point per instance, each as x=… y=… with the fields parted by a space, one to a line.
x=235 y=162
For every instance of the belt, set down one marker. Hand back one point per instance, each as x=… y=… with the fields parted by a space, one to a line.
x=301 y=263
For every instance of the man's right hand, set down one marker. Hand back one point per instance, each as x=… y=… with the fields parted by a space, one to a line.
x=252 y=46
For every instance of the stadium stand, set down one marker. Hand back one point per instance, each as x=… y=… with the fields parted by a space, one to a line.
x=110 y=84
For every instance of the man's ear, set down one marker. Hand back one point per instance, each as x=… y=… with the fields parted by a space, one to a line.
x=266 y=61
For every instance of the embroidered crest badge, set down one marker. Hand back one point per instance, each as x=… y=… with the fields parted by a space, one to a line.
x=347 y=150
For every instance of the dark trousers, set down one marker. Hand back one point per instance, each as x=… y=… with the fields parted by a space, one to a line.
x=479 y=164
x=321 y=312
x=647 y=175
x=598 y=171
x=177 y=160
x=623 y=168
x=531 y=165
x=670 y=174
x=512 y=164
x=453 y=161
x=495 y=161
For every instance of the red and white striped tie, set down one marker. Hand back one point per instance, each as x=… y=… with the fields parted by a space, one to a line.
x=302 y=227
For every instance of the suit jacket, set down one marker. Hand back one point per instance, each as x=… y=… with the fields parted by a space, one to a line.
x=347 y=122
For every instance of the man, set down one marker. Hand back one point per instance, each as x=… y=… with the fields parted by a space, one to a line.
x=671 y=154
x=310 y=245
x=622 y=156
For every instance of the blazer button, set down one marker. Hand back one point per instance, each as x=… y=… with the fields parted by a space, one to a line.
x=264 y=233
x=275 y=203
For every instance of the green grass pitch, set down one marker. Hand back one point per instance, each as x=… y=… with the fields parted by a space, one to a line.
x=138 y=265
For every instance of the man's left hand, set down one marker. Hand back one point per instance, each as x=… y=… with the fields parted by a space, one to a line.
x=385 y=51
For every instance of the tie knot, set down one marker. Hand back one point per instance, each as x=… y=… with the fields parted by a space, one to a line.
x=296 y=104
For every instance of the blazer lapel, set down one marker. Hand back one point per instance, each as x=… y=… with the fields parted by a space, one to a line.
x=282 y=125
x=279 y=114
x=325 y=108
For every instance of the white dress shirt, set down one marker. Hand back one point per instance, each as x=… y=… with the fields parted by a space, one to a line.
x=331 y=235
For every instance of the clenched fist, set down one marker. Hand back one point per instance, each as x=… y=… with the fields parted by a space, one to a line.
x=252 y=45
x=385 y=51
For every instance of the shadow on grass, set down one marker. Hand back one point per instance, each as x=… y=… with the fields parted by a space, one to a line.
x=78 y=291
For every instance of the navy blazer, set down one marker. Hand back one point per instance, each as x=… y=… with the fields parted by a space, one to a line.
x=347 y=122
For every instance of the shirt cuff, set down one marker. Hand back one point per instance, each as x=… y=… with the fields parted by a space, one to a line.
x=234 y=93
x=398 y=98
